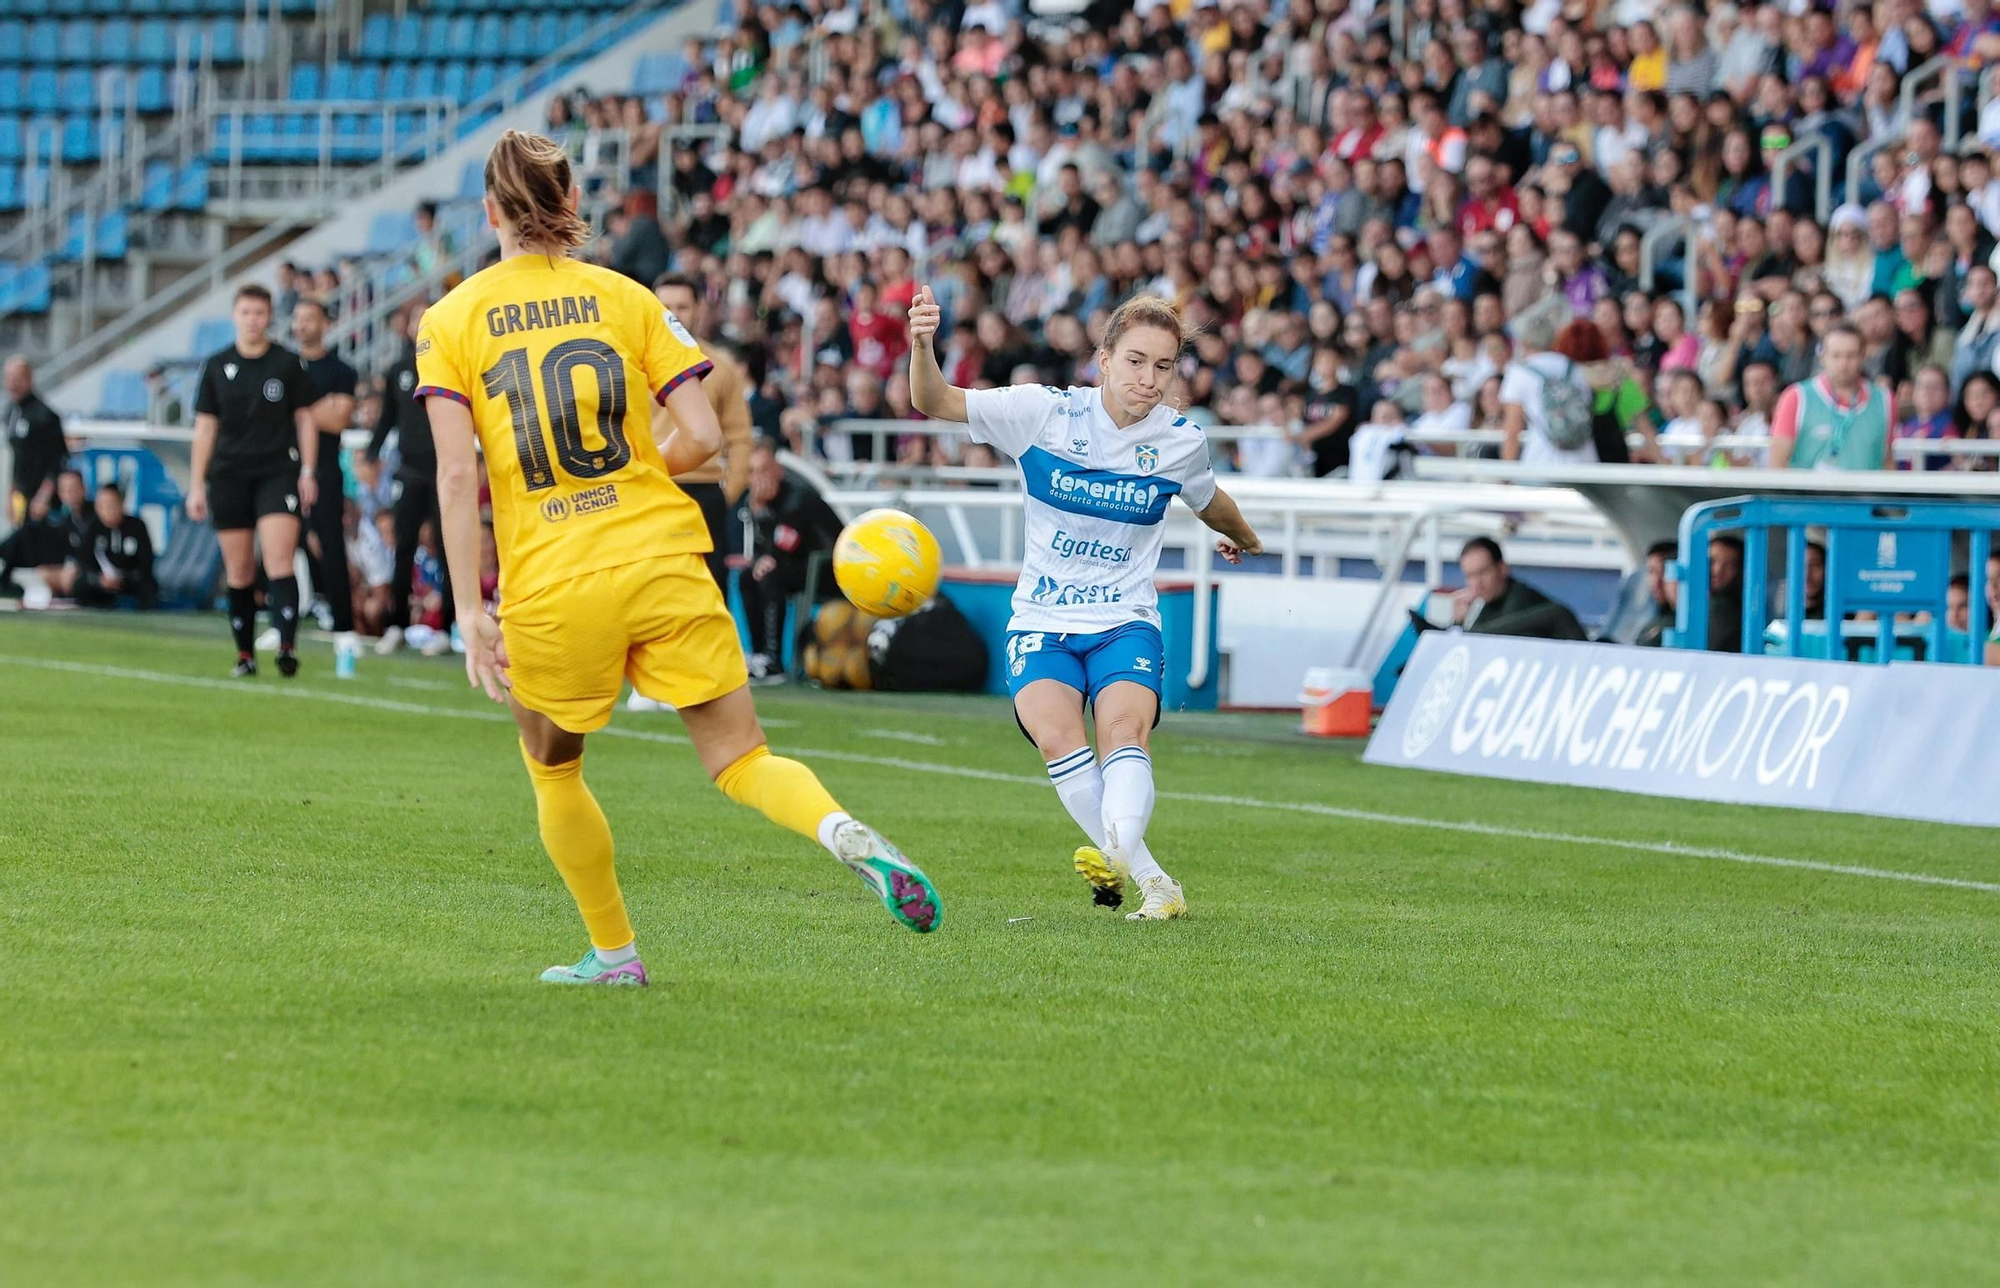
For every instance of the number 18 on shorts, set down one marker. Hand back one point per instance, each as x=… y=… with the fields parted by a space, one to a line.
x=1087 y=663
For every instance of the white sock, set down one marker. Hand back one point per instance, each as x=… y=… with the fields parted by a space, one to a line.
x=827 y=826
x=1128 y=807
x=619 y=956
x=1081 y=790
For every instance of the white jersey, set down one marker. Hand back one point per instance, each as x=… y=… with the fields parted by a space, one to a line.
x=1097 y=497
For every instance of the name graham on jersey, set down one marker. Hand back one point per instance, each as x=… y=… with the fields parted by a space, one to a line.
x=1088 y=548
x=535 y=315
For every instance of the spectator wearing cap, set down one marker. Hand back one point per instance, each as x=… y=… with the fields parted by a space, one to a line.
x=1838 y=419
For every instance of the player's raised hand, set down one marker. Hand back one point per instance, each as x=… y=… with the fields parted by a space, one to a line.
x=485 y=655
x=925 y=317
x=1233 y=553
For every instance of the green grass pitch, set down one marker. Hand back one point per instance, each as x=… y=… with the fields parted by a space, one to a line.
x=269 y=1013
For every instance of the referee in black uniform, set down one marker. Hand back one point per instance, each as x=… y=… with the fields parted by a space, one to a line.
x=333 y=411
x=255 y=449
x=416 y=487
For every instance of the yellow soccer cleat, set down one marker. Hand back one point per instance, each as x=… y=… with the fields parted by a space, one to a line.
x=1164 y=900
x=1106 y=874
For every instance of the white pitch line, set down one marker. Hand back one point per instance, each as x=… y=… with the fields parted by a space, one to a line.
x=904 y=735
x=1670 y=849
x=430 y=686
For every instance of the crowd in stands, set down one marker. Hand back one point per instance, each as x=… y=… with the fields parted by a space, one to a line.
x=1371 y=238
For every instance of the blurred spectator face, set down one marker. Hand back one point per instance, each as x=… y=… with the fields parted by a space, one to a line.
x=18 y=377
x=1882 y=227
x=1958 y=607
x=1667 y=321
x=1913 y=316
x=1760 y=387
x=1977 y=293
x=1638 y=314
x=110 y=507
x=1725 y=567
x=252 y=317
x=69 y=491
x=1485 y=576
x=1915 y=237
x=1933 y=392
x=1841 y=354
x=1876 y=320
x=1489 y=314
x=681 y=302
x=766 y=475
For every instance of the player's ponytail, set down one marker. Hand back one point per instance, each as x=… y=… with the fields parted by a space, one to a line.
x=528 y=177
x=1145 y=311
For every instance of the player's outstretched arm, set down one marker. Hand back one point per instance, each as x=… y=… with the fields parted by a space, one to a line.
x=458 y=505
x=1239 y=538
x=930 y=393
x=697 y=434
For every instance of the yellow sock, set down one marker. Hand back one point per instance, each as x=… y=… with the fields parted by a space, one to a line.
x=579 y=842
x=784 y=791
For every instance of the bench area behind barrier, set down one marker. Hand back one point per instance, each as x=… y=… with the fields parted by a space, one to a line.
x=1890 y=557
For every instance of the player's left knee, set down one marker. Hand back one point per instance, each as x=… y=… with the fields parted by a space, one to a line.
x=1127 y=729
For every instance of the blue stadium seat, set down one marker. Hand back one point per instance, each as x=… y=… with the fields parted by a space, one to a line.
x=548 y=34
x=409 y=38
x=658 y=73
x=484 y=77
x=79 y=140
x=183 y=8
x=226 y=41
x=44 y=43
x=304 y=87
x=41 y=139
x=491 y=35
x=114 y=41
x=340 y=82
x=297 y=8
x=391 y=232
x=451 y=82
x=357 y=136
x=110 y=234
x=213 y=336
x=124 y=396
x=143 y=8
x=10 y=139
x=189 y=40
x=367 y=85
x=156 y=191
x=152 y=90
x=376 y=36
x=155 y=43
x=79 y=41
x=191 y=187
x=520 y=41
x=10 y=187
x=437 y=34
x=13 y=40
x=11 y=97
x=77 y=91
x=301 y=135
x=472 y=181
x=24 y=288
x=41 y=90
x=218 y=8
x=399 y=80
x=461 y=37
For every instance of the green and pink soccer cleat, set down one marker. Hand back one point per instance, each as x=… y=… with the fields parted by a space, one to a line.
x=592 y=971
x=903 y=888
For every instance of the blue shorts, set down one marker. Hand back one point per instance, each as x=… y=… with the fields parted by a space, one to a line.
x=1087 y=663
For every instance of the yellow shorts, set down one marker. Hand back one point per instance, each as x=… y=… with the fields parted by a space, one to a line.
x=660 y=622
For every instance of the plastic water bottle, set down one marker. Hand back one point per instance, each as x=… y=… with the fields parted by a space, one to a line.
x=346 y=653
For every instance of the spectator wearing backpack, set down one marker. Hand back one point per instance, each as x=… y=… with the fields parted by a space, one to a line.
x=1546 y=401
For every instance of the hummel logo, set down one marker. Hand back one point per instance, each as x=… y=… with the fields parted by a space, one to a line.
x=1144 y=664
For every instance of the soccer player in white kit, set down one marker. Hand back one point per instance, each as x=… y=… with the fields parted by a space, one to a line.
x=1100 y=468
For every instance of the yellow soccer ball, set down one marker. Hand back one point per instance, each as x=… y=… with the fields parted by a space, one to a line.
x=887 y=563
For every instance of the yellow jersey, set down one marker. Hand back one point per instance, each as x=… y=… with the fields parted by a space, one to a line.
x=556 y=359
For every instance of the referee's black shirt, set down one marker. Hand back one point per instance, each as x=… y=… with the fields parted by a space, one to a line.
x=255 y=402
x=330 y=375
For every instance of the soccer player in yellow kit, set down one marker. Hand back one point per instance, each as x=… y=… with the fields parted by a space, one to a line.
x=539 y=358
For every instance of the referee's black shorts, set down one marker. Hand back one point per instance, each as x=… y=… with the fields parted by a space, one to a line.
x=238 y=501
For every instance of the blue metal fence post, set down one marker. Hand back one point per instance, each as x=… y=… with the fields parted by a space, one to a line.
x=1795 y=588
x=1982 y=550
x=1756 y=594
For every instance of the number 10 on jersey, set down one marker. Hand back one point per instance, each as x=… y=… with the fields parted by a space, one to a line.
x=513 y=379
